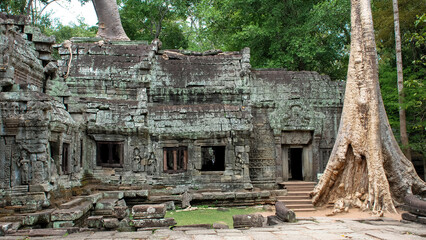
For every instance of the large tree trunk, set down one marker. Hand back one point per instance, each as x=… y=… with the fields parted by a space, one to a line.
x=366 y=167
x=400 y=76
x=109 y=22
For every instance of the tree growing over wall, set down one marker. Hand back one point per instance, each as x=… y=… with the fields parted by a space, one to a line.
x=366 y=168
x=109 y=22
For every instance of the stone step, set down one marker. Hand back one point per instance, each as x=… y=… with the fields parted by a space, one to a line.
x=40 y=232
x=297 y=183
x=303 y=210
x=20 y=188
x=71 y=203
x=71 y=214
x=298 y=193
x=299 y=206
x=301 y=188
x=284 y=198
x=296 y=201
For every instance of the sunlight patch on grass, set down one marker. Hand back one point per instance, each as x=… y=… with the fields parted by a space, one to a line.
x=204 y=215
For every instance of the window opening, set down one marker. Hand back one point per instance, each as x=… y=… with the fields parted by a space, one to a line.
x=175 y=159
x=213 y=158
x=54 y=151
x=109 y=154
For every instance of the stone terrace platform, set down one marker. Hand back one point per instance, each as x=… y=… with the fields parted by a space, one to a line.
x=311 y=228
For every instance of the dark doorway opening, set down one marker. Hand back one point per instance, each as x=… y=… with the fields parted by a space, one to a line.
x=295 y=163
x=213 y=158
x=65 y=154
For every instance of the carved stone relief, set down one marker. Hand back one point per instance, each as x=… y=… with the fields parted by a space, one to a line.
x=296 y=137
x=296 y=117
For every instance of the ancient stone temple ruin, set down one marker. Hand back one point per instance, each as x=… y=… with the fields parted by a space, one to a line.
x=130 y=114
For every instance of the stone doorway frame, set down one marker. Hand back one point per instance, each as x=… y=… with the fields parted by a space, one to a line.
x=294 y=139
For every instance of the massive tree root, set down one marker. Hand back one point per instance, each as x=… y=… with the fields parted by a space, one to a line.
x=366 y=168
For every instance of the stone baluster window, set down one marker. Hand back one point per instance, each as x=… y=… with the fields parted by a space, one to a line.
x=175 y=159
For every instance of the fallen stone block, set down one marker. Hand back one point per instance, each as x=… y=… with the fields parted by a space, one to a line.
x=136 y=194
x=94 y=198
x=120 y=212
x=170 y=205
x=421 y=219
x=220 y=226
x=283 y=213
x=15 y=226
x=121 y=203
x=415 y=205
x=63 y=224
x=153 y=223
x=42 y=217
x=409 y=216
x=72 y=213
x=105 y=206
x=126 y=225
x=149 y=211
x=40 y=188
x=186 y=199
x=114 y=194
x=43 y=232
x=273 y=220
x=248 y=221
x=111 y=223
x=71 y=203
x=4 y=227
x=95 y=222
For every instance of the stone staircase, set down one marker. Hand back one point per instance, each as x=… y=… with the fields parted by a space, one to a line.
x=297 y=198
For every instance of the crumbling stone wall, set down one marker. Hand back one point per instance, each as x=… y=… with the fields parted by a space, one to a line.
x=129 y=113
x=197 y=101
x=303 y=110
x=29 y=119
x=106 y=93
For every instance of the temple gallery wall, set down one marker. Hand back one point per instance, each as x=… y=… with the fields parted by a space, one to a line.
x=133 y=114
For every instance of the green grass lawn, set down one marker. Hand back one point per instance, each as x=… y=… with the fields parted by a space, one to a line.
x=204 y=215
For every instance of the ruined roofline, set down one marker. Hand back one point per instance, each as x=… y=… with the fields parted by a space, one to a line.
x=19 y=20
x=211 y=52
x=97 y=39
x=263 y=70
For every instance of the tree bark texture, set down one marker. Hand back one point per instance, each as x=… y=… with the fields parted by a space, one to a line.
x=366 y=168
x=400 y=77
x=109 y=22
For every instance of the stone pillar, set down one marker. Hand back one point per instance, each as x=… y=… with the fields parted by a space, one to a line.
x=315 y=156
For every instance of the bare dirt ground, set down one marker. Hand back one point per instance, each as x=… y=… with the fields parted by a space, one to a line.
x=354 y=213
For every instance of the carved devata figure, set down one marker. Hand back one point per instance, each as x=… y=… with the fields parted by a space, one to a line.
x=151 y=164
x=136 y=160
x=24 y=166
